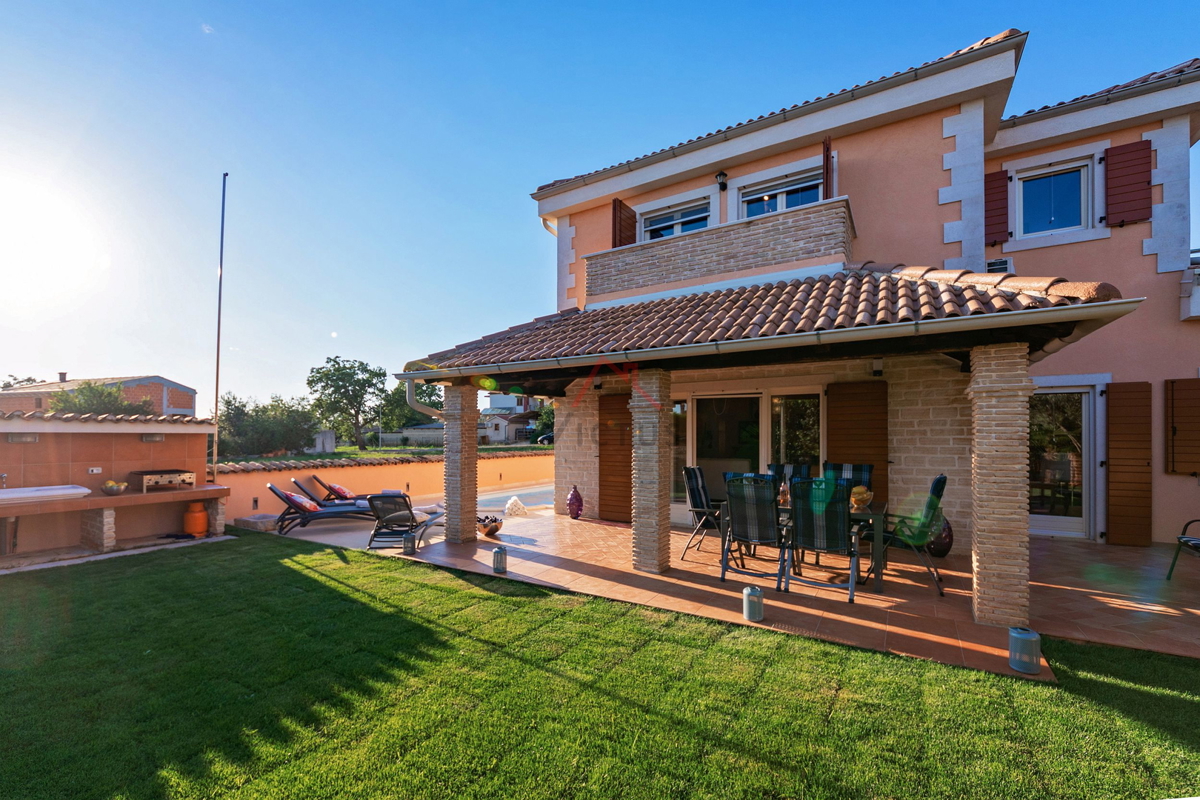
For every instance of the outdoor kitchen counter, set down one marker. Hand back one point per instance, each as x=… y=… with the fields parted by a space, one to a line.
x=95 y=500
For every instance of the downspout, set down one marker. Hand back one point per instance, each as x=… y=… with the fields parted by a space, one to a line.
x=411 y=395
x=553 y=230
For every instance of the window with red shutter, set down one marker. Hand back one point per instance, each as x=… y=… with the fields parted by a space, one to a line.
x=624 y=224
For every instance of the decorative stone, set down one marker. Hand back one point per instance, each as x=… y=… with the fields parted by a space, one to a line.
x=515 y=508
x=264 y=523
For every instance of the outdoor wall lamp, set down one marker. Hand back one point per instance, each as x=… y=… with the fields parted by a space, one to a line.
x=722 y=180
x=153 y=437
x=877 y=367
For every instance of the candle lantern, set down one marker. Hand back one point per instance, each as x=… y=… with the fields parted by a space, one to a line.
x=1024 y=650
x=500 y=559
x=410 y=544
x=752 y=603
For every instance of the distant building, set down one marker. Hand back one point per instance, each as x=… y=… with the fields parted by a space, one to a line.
x=166 y=397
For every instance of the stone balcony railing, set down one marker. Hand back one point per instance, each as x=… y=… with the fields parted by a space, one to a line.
x=822 y=230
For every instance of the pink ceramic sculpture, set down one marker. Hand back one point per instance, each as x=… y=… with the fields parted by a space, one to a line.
x=575 y=503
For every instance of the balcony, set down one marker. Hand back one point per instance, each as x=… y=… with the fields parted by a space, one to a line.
x=812 y=234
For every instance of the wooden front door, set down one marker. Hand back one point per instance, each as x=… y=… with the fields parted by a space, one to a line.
x=616 y=458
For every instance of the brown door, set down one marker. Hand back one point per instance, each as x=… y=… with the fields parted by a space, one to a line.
x=616 y=458
x=856 y=429
x=1129 y=476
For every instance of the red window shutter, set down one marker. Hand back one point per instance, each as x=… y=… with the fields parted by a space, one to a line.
x=995 y=207
x=856 y=429
x=624 y=224
x=1127 y=183
x=827 y=169
x=1183 y=426
x=1130 y=478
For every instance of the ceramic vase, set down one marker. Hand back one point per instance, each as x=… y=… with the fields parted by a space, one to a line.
x=575 y=503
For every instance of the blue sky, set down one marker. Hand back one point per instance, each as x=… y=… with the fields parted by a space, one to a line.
x=381 y=157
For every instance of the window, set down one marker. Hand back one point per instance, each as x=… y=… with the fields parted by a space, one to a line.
x=1052 y=200
x=796 y=430
x=780 y=195
x=670 y=223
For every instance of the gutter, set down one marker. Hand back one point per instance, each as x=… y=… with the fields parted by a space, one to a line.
x=410 y=392
x=1099 y=314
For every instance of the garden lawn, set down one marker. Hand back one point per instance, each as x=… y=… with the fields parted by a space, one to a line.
x=275 y=668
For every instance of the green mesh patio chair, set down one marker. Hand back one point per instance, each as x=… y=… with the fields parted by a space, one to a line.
x=850 y=475
x=821 y=523
x=752 y=520
x=784 y=474
x=915 y=531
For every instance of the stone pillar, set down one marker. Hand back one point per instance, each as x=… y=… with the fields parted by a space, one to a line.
x=1000 y=389
x=461 y=416
x=653 y=433
x=98 y=530
x=216 y=515
x=577 y=447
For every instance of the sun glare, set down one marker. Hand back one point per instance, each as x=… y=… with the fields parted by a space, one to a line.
x=52 y=251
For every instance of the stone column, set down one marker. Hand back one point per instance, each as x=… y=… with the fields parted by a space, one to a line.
x=461 y=416
x=1000 y=389
x=577 y=447
x=98 y=529
x=216 y=515
x=650 y=404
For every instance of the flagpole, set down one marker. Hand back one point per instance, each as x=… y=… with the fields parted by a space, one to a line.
x=220 y=288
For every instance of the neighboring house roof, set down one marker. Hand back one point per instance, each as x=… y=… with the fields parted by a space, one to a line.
x=867 y=295
x=1187 y=70
x=72 y=385
x=57 y=416
x=784 y=112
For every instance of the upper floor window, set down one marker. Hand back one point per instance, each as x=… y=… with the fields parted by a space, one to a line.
x=1053 y=199
x=780 y=195
x=670 y=223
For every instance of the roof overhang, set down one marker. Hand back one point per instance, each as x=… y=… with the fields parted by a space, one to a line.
x=986 y=72
x=40 y=425
x=1065 y=324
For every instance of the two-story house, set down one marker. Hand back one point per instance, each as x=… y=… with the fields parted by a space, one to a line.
x=895 y=274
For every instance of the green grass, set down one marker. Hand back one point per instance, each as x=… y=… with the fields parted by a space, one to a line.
x=274 y=668
x=350 y=451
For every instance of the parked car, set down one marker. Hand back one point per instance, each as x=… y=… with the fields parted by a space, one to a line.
x=546 y=438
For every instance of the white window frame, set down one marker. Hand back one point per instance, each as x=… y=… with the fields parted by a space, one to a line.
x=678 y=202
x=1087 y=156
x=797 y=169
x=1083 y=168
x=781 y=187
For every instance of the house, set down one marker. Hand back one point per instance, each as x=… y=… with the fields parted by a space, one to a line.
x=903 y=274
x=167 y=397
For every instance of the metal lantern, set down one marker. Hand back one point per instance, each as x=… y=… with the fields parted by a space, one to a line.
x=500 y=559
x=410 y=544
x=1024 y=650
x=752 y=603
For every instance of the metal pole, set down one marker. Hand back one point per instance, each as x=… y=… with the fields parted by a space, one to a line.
x=220 y=288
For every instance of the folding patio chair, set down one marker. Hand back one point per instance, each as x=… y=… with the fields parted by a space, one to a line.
x=706 y=512
x=915 y=531
x=821 y=523
x=784 y=474
x=1189 y=543
x=300 y=511
x=751 y=520
x=850 y=475
x=395 y=518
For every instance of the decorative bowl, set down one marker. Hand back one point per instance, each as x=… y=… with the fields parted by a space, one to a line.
x=489 y=526
x=113 y=488
x=860 y=498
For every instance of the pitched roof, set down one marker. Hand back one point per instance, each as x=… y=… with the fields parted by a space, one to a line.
x=1189 y=69
x=1011 y=32
x=58 y=416
x=75 y=383
x=866 y=295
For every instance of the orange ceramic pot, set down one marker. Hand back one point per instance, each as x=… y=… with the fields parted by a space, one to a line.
x=195 y=520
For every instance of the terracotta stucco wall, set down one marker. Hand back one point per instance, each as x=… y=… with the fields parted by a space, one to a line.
x=423 y=480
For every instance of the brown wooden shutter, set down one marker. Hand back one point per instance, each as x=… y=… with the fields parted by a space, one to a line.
x=624 y=224
x=827 y=169
x=616 y=458
x=1127 y=183
x=1183 y=426
x=856 y=429
x=1129 y=471
x=995 y=207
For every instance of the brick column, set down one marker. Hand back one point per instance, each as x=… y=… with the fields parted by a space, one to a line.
x=461 y=416
x=999 y=390
x=216 y=515
x=577 y=447
x=98 y=529
x=650 y=404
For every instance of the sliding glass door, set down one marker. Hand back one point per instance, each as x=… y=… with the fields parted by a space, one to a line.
x=796 y=430
x=727 y=438
x=1060 y=440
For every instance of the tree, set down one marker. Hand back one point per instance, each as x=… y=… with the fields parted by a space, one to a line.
x=348 y=392
x=93 y=398
x=545 y=421
x=250 y=428
x=13 y=382
x=397 y=413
